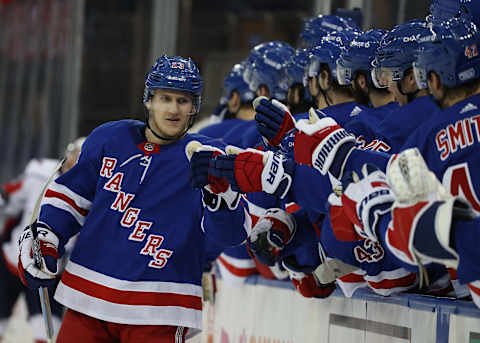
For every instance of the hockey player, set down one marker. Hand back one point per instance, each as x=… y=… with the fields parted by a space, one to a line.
x=393 y=70
x=332 y=98
x=238 y=100
x=354 y=68
x=135 y=272
x=450 y=66
x=21 y=202
x=298 y=98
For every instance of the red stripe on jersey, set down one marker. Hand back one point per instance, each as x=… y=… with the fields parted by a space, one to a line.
x=352 y=278
x=380 y=184
x=241 y=272
x=474 y=289
x=453 y=273
x=130 y=297
x=63 y=197
x=408 y=280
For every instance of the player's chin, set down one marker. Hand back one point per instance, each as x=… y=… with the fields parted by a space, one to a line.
x=173 y=131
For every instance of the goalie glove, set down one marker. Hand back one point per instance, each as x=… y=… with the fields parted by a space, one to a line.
x=365 y=199
x=322 y=144
x=255 y=171
x=215 y=190
x=271 y=234
x=423 y=213
x=273 y=119
x=34 y=276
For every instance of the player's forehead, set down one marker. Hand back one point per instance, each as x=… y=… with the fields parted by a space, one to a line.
x=172 y=93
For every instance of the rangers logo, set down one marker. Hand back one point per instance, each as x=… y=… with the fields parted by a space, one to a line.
x=178 y=65
x=471 y=51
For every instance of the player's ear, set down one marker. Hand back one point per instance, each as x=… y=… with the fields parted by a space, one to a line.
x=362 y=81
x=324 y=79
x=148 y=104
x=433 y=82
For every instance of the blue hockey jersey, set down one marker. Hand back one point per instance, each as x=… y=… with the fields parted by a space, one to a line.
x=143 y=230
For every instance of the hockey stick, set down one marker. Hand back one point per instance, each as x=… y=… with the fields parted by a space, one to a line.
x=38 y=258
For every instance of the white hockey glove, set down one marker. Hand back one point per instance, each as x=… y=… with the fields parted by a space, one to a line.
x=34 y=276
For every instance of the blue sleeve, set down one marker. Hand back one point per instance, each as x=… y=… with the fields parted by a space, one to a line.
x=310 y=189
x=359 y=157
x=69 y=198
x=226 y=227
x=304 y=246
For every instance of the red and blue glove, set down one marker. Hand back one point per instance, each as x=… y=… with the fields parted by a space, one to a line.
x=273 y=231
x=273 y=119
x=305 y=281
x=256 y=171
x=322 y=144
x=215 y=190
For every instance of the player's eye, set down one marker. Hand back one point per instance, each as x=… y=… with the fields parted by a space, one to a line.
x=183 y=101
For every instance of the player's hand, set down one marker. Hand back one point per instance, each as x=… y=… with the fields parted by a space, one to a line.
x=322 y=144
x=255 y=171
x=305 y=281
x=271 y=234
x=215 y=190
x=34 y=276
x=273 y=119
x=365 y=199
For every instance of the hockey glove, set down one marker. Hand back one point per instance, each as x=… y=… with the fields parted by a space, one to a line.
x=323 y=144
x=273 y=119
x=423 y=213
x=366 y=199
x=305 y=281
x=32 y=275
x=271 y=234
x=255 y=171
x=215 y=190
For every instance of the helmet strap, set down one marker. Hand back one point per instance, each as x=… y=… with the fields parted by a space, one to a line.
x=191 y=120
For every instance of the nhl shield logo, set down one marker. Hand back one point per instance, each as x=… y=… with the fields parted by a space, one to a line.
x=149 y=147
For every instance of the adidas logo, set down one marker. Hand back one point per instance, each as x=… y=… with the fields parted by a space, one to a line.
x=355 y=111
x=468 y=107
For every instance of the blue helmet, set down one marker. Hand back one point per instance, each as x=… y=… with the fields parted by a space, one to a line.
x=470 y=10
x=442 y=10
x=314 y=29
x=267 y=68
x=326 y=52
x=234 y=82
x=342 y=38
x=397 y=51
x=175 y=73
x=453 y=54
x=295 y=68
x=358 y=56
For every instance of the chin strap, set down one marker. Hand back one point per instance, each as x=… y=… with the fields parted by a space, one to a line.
x=147 y=121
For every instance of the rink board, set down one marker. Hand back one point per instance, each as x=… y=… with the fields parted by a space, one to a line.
x=264 y=311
